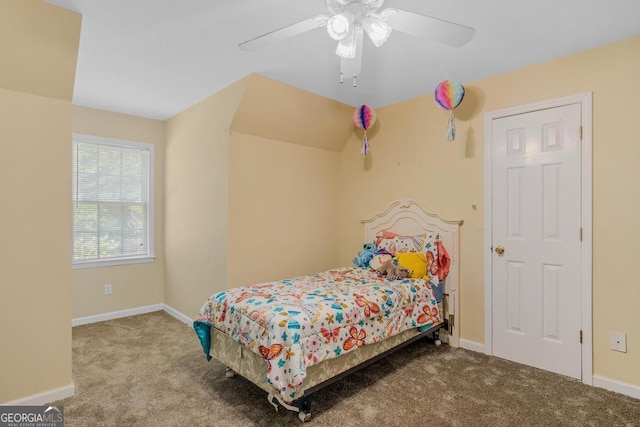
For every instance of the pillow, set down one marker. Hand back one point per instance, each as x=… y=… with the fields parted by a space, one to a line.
x=430 y=244
x=395 y=243
x=379 y=259
x=430 y=251
x=414 y=261
x=431 y=261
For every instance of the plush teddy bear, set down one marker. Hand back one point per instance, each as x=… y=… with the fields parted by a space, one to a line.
x=393 y=271
x=364 y=256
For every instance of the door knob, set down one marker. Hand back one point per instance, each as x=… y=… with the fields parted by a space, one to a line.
x=500 y=250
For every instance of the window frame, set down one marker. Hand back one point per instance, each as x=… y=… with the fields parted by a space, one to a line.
x=137 y=259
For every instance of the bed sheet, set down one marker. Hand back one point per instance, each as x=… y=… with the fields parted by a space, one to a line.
x=296 y=323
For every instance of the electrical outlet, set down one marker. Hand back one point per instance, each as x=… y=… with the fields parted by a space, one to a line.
x=108 y=289
x=619 y=342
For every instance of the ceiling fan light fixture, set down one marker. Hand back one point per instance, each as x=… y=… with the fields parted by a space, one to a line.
x=377 y=30
x=347 y=46
x=350 y=19
x=339 y=26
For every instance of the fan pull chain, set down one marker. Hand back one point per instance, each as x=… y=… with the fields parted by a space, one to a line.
x=355 y=80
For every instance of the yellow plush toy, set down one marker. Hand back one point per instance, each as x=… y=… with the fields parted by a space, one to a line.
x=414 y=261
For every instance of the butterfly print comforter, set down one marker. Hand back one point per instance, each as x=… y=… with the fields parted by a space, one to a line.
x=296 y=323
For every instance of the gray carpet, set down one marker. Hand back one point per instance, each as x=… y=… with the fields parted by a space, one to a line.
x=149 y=370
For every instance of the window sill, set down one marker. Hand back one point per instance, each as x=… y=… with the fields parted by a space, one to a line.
x=112 y=262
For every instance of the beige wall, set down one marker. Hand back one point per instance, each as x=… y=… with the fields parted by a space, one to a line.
x=134 y=285
x=35 y=178
x=411 y=157
x=196 y=176
x=283 y=210
x=223 y=184
x=39 y=45
x=274 y=110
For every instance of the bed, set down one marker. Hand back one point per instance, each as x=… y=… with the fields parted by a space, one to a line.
x=296 y=336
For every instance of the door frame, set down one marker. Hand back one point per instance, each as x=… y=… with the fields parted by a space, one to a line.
x=585 y=100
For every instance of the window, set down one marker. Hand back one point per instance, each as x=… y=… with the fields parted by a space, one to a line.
x=112 y=201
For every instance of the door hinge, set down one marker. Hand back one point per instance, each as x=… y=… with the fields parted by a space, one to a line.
x=580 y=336
x=581 y=234
x=580 y=133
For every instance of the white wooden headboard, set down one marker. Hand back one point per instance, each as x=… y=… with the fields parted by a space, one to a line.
x=409 y=218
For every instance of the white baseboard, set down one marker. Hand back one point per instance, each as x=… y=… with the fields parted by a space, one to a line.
x=617 y=386
x=132 y=312
x=116 y=314
x=472 y=345
x=175 y=313
x=45 y=397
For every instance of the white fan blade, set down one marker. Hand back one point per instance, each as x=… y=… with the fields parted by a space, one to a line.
x=425 y=26
x=282 y=34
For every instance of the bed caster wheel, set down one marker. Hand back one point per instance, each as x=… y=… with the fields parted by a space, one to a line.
x=304 y=416
x=438 y=342
x=229 y=373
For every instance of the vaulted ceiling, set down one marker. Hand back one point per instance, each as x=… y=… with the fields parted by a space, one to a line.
x=155 y=58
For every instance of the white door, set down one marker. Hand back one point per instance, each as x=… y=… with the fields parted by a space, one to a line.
x=536 y=182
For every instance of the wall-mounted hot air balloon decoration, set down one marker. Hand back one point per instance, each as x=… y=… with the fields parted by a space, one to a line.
x=448 y=95
x=364 y=117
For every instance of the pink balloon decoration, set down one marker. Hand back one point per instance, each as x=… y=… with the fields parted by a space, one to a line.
x=364 y=117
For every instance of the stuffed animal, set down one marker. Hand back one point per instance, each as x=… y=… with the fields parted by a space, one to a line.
x=393 y=271
x=364 y=256
x=379 y=258
x=414 y=262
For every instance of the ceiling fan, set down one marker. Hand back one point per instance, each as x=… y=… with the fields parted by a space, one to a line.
x=350 y=19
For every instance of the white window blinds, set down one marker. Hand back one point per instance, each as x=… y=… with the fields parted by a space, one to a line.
x=111 y=200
